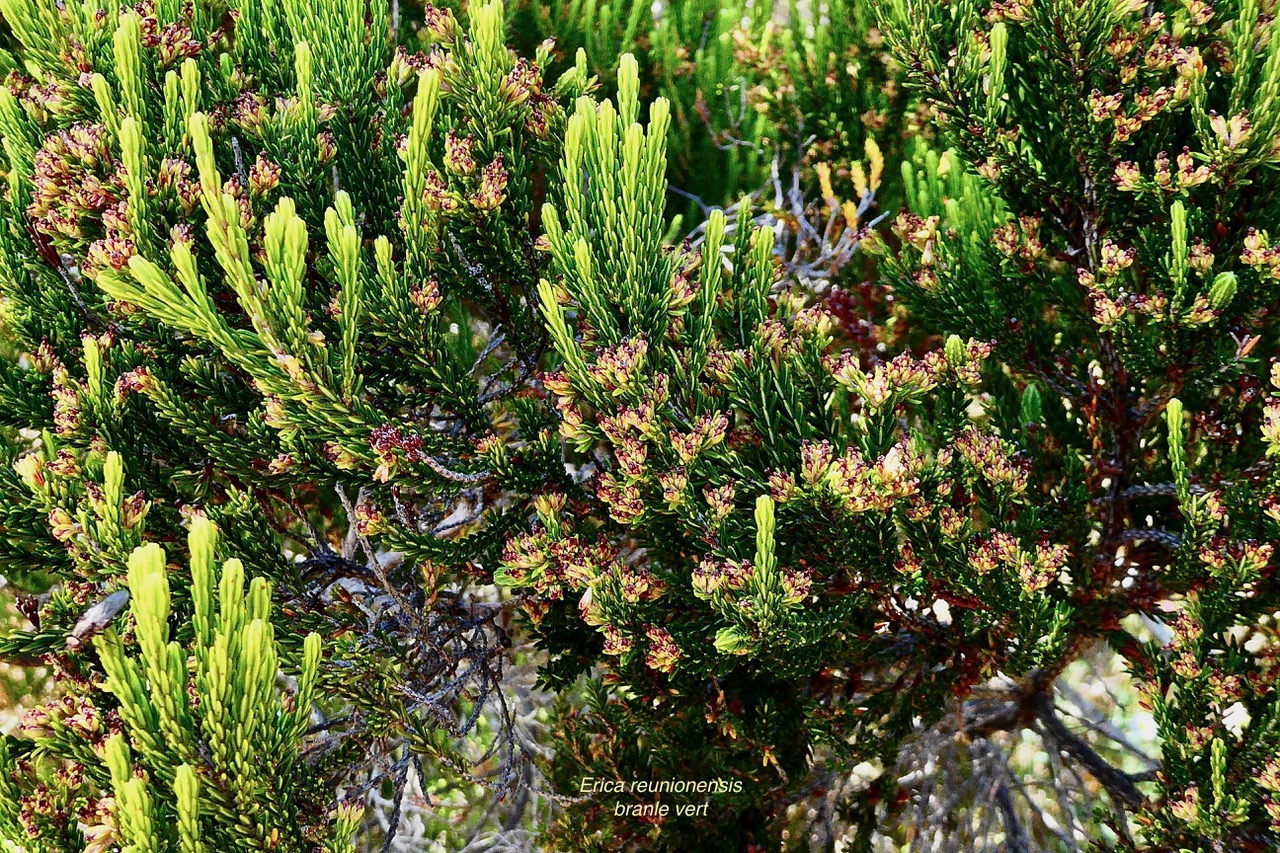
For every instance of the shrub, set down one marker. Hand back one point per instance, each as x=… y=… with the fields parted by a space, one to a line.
x=817 y=404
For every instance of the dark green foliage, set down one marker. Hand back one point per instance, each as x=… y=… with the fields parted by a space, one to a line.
x=563 y=342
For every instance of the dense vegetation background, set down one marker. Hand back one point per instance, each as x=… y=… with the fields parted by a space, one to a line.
x=412 y=411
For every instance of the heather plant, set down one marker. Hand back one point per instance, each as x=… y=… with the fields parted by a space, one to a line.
x=815 y=555
x=200 y=752
x=757 y=497
x=269 y=268
x=759 y=93
x=1120 y=245
x=869 y=410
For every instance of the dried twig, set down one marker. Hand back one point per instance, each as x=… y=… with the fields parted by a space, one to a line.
x=1118 y=783
x=1016 y=838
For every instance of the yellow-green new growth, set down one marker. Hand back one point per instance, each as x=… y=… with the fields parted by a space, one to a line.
x=1178 y=451
x=1178 y=252
x=764 y=591
x=999 y=38
x=128 y=50
x=230 y=756
x=132 y=799
x=608 y=233
x=344 y=250
x=419 y=236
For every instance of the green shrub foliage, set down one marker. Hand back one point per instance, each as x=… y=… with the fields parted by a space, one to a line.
x=802 y=393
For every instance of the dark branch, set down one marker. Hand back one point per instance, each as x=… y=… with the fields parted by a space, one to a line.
x=1119 y=784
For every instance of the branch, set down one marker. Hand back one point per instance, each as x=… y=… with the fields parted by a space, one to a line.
x=1119 y=784
x=455 y=476
x=1016 y=839
x=1172 y=541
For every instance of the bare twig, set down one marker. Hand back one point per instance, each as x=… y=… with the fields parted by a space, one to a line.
x=1118 y=783
x=1016 y=838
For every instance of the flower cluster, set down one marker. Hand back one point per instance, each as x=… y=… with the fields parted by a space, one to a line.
x=992 y=460
x=1035 y=568
x=553 y=566
x=78 y=202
